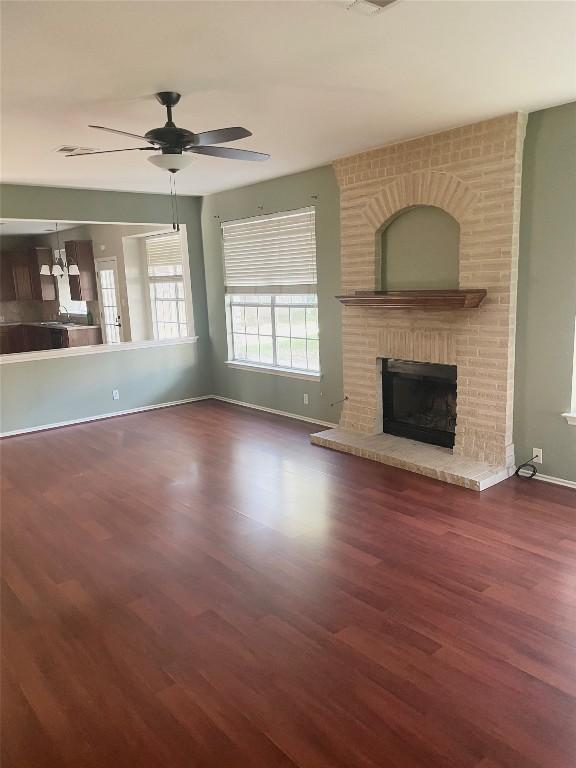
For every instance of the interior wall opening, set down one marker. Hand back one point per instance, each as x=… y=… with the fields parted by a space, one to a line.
x=84 y=284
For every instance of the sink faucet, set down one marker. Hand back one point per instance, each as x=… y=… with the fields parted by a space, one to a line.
x=65 y=310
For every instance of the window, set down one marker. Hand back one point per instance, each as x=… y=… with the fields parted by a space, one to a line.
x=63 y=286
x=165 y=276
x=271 y=301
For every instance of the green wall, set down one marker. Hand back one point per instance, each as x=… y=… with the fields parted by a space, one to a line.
x=319 y=188
x=547 y=292
x=419 y=249
x=48 y=391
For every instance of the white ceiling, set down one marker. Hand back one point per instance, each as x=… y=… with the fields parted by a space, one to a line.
x=33 y=226
x=312 y=80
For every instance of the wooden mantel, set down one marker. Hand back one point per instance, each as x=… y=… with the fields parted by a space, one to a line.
x=448 y=299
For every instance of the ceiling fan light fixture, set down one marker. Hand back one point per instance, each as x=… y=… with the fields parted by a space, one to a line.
x=170 y=162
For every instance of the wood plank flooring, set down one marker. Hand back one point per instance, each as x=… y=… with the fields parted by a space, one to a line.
x=200 y=587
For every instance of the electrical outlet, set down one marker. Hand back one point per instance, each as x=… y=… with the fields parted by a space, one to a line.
x=306 y=400
x=115 y=394
x=537 y=454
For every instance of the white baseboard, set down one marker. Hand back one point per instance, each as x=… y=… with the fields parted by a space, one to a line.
x=556 y=480
x=553 y=480
x=273 y=410
x=127 y=412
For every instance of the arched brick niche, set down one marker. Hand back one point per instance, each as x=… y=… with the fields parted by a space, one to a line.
x=418 y=249
x=474 y=174
x=439 y=189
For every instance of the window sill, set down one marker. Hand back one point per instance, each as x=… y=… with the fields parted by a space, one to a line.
x=288 y=372
x=97 y=349
x=570 y=418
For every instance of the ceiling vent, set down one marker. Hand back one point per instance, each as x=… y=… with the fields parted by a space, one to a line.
x=70 y=149
x=369 y=7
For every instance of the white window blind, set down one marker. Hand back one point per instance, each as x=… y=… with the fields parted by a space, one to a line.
x=165 y=278
x=271 y=254
x=164 y=254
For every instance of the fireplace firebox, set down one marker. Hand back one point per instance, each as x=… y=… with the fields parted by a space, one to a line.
x=419 y=401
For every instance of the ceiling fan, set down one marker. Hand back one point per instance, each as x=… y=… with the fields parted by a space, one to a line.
x=173 y=142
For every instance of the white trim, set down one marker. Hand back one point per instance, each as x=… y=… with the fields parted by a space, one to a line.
x=553 y=480
x=127 y=412
x=102 y=416
x=274 y=411
x=86 y=221
x=556 y=480
x=50 y=354
x=259 y=368
x=570 y=418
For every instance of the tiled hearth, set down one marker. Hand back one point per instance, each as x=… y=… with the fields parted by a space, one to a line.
x=473 y=173
x=429 y=460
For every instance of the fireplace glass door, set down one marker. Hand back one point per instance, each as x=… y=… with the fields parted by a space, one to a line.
x=419 y=401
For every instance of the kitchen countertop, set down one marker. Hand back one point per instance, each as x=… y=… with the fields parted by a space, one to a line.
x=54 y=325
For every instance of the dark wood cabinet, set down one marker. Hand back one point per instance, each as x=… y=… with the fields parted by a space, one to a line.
x=7 y=288
x=43 y=286
x=22 y=272
x=32 y=337
x=36 y=338
x=10 y=339
x=82 y=286
x=20 y=278
x=83 y=337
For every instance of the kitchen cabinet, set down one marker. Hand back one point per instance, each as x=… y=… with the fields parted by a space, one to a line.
x=20 y=337
x=7 y=289
x=34 y=337
x=83 y=337
x=78 y=336
x=22 y=273
x=20 y=278
x=43 y=286
x=82 y=286
x=11 y=339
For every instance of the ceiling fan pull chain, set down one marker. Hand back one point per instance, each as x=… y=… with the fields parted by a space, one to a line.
x=177 y=227
x=172 y=204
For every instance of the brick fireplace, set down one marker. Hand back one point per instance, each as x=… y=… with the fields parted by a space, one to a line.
x=474 y=174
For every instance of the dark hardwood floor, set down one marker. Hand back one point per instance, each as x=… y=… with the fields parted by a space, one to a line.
x=199 y=586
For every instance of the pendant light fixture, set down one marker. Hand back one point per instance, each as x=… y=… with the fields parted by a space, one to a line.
x=59 y=266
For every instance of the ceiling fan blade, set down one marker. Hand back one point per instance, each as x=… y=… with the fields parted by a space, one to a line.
x=229 y=152
x=220 y=136
x=107 y=151
x=125 y=133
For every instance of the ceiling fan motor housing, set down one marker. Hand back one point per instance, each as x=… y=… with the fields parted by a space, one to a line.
x=173 y=139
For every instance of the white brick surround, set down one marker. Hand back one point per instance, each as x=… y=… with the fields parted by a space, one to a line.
x=473 y=173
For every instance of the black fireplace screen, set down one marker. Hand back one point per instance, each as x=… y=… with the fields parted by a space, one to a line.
x=419 y=401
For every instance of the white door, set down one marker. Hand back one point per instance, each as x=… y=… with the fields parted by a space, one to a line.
x=110 y=320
